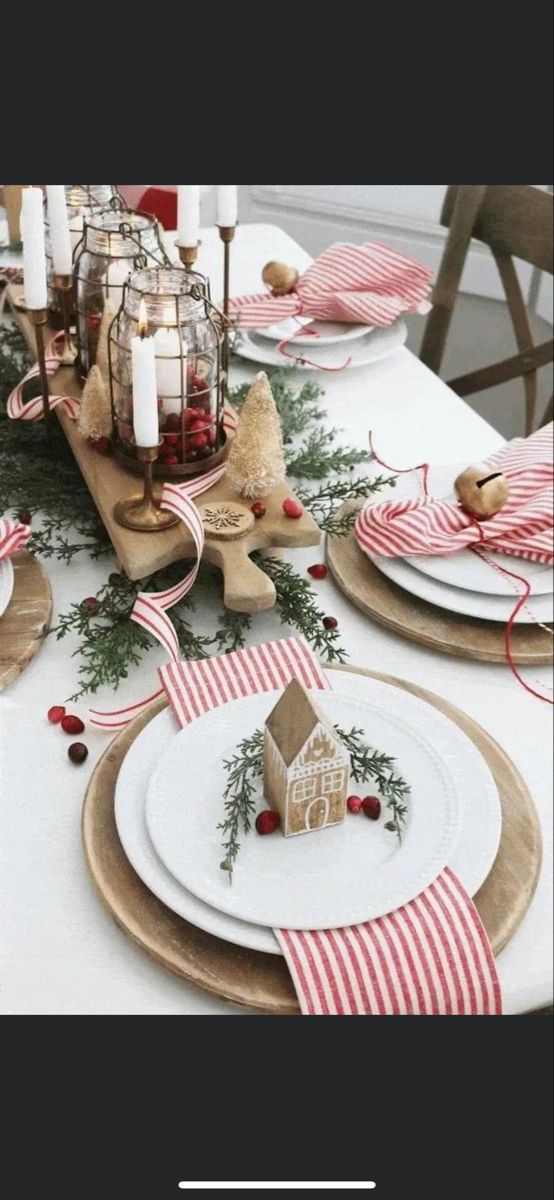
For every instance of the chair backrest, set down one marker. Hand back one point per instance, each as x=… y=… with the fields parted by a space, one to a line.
x=513 y=218
x=514 y=221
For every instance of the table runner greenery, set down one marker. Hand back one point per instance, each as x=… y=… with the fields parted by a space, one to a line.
x=45 y=481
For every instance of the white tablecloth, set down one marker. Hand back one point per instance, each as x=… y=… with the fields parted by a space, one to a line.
x=61 y=952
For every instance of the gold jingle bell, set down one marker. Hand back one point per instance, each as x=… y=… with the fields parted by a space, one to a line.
x=482 y=492
x=280 y=278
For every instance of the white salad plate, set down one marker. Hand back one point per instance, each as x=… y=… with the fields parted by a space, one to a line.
x=346 y=874
x=6 y=584
x=471 y=859
x=459 y=600
x=359 y=353
x=323 y=333
x=466 y=569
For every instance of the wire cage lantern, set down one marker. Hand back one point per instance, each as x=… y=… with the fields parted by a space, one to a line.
x=82 y=200
x=114 y=242
x=174 y=307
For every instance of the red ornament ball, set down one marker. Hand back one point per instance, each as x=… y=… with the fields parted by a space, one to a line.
x=55 y=714
x=72 y=724
x=292 y=508
x=354 y=804
x=267 y=821
x=318 y=571
x=258 y=509
x=77 y=752
x=330 y=622
x=372 y=807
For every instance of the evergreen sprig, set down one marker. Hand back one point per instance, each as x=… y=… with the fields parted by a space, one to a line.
x=245 y=769
x=43 y=477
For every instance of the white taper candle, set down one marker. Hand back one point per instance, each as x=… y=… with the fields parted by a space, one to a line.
x=60 y=237
x=145 y=395
x=34 y=256
x=227 y=204
x=188 y=214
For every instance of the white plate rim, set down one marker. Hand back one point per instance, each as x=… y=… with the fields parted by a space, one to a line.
x=472 y=858
x=382 y=342
x=414 y=865
x=351 y=333
x=481 y=605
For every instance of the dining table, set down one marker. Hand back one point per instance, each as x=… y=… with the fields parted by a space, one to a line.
x=61 y=951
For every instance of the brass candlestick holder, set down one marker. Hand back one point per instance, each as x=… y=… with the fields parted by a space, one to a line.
x=188 y=255
x=39 y=317
x=63 y=286
x=143 y=513
x=226 y=233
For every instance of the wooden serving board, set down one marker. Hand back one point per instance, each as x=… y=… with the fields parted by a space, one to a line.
x=415 y=619
x=26 y=619
x=246 y=587
x=261 y=981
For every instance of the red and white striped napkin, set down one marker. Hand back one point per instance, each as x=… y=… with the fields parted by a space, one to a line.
x=370 y=285
x=523 y=528
x=431 y=957
x=13 y=536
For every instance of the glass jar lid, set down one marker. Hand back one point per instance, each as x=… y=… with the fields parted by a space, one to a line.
x=89 y=195
x=171 y=295
x=116 y=233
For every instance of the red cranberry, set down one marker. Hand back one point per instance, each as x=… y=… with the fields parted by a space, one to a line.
x=354 y=804
x=90 y=604
x=372 y=807
x=258 y=509
x=267 y=821
x=292 y=508
x=72 y=724
x=318 y=571
x=77 y=752
x=25 y=516
x=330 y=622
x=103 y=446
x=172 y=423
x=55 y=714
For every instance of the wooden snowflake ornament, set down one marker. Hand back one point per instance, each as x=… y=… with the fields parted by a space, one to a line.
x=306 y=766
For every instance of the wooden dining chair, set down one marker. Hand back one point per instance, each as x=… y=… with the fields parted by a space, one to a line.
x=514 y=221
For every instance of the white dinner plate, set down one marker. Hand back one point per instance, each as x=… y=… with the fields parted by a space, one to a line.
x=466 y=569
x=341 y=875
x=471 y=859
x=360 y=353
x=459 y=600
x=324 y=333
x=6 y=584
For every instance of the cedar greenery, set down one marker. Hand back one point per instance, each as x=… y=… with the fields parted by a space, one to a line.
x=245 y=770
x=43 y=478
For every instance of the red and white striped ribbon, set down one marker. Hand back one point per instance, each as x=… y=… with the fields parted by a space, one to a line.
x=33 y=410
x=370 y=284
x=150 y=608
x=430 y=957
x=13 y=536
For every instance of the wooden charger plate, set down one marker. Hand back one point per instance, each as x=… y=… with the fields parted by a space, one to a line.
x=407 y=615
x=261 y=981
x=26 y=619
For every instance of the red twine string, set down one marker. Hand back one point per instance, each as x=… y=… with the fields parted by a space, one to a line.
x=522 y=600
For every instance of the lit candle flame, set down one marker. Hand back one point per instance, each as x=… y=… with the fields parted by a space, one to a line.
x=142 y=320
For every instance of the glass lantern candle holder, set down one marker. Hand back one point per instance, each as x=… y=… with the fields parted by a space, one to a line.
x=174 y=307
x=83 y=200
x=113 y=244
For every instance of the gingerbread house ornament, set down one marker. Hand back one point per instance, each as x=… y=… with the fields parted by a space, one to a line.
x=306 y=766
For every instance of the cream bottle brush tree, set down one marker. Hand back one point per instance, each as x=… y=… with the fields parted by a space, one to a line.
x=256 y=463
